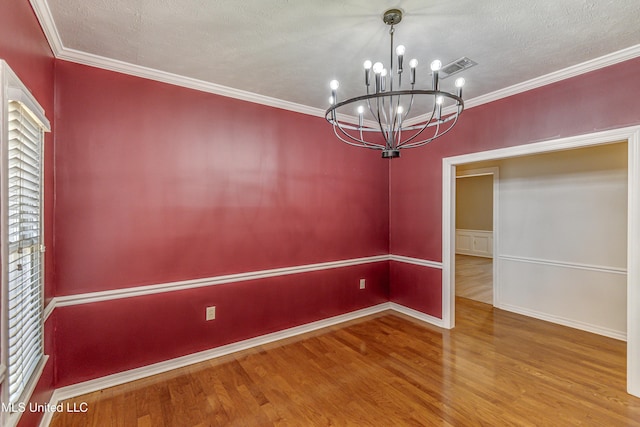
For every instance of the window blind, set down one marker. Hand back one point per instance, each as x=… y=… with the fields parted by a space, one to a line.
x=24 y=300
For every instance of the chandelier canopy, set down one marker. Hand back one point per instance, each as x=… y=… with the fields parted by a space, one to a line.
x=385 y=119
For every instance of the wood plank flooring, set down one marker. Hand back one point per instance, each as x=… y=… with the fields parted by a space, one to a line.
x=495 y=368
x=474 y=278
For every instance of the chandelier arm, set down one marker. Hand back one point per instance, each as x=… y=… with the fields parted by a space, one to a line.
x=331 y=117
x=406 y=113
x=433 y=123
x=388 y=112
x=358 y=143
x=421 y=128
x=425 y=142
x=379 y=116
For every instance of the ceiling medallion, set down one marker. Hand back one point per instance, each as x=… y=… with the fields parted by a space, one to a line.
x=386 y=107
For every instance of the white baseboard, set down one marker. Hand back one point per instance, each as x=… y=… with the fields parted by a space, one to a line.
x=90 y=386
x=618 y=335
x=417 y=314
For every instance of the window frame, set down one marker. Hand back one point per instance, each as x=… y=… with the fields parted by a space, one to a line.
x=12 y=89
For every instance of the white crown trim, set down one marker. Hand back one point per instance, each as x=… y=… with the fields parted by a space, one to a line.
x=43 y=13
x=92 y=60
x=44 y=16
x=556 y=76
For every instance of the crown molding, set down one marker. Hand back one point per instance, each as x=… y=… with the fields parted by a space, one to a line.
x=92 y=60
x=556 y=76
x=43 y=13
x=44 y=16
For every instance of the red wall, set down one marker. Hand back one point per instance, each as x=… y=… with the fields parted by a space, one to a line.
x=24 y=47
x=156 y=183
x=107 y=337
x=595 y=101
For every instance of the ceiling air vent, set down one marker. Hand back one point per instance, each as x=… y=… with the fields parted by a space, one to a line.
x=456 y=66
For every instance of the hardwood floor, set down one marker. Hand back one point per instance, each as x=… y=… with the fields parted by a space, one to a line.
x=474 y=278
x=495 y=368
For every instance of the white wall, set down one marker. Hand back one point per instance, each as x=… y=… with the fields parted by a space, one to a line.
x=562 y=244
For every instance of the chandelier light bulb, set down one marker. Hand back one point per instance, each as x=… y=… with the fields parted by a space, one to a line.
x=389 y=100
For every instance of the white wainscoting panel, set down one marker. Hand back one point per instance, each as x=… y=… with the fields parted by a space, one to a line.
x=586 y=297
x=474 y=242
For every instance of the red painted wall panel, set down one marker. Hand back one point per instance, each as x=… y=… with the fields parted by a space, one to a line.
x=24 y=47
x=157 y=183
x=102 y=338
x=419 y=288
x=595 y=101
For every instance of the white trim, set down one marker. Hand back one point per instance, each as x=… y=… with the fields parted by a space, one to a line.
x=43 y=13
x=14 y=417
x=573 y=265
x=473 y=237
x=188 y=82
x=633 y=266
x=553 y=77
x=416 y=314
x=556 y=76
x=611 y=333
x=91 y=297
x=44 y=16
x=15 y=90
x=416 y=261
x=630 y=134
x=49 y=309
x=64 y=301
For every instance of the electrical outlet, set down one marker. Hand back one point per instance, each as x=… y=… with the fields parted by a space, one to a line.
x=211 y=312
x=363 y=283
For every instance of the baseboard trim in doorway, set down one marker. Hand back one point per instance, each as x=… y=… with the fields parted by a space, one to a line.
x=571 y=323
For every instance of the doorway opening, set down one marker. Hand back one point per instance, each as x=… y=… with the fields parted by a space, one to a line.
x=475 y=229
x=632 y=136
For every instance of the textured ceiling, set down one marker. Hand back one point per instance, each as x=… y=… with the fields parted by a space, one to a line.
x=290 y=50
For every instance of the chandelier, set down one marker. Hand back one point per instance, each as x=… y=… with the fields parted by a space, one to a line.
x=384 y=115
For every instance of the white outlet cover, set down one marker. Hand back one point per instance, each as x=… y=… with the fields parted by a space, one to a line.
x=363 y=283
x=211 y=313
